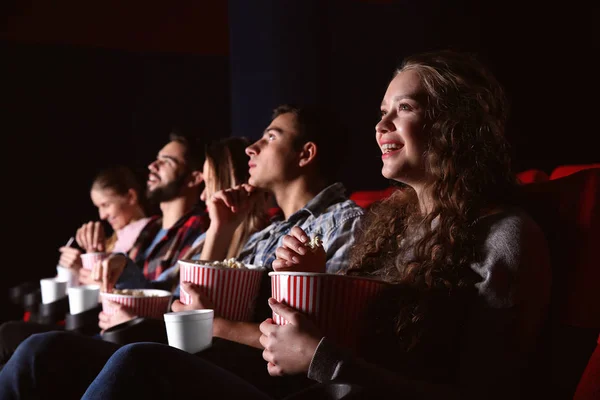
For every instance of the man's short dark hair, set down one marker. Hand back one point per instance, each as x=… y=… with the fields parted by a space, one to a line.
x=194 y=149
x=318 y=124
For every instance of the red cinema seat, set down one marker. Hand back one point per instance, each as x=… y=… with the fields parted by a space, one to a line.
x=568 y=211
x=589 y=385
x=565 y=170
x=367 y=197
x=532 y=175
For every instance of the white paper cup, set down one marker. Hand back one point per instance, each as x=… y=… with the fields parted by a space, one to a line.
x=153 y=304
x=67 y=274
x=88 y=260
x=83 y=298
x=190 y=331
x=52 y=289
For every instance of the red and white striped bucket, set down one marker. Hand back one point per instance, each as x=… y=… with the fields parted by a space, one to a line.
x=233 y=291
x=336 y=303
x=154 y=303
x=88 y=260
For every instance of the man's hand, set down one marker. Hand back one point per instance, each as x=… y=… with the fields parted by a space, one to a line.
x=295 y=255
x=288 y=349
x=199 y=300
x=109 y=270
x=122 y=314
x=91 y=237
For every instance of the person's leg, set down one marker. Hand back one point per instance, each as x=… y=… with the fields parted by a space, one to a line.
x=54 y=365
x=155 y=371
x=247 y=363
x=12 y=333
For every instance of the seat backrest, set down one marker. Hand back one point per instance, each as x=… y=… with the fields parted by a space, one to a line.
x=589 y=385
x=568 y=211
x=532 y=176
x=566 y=170
x=365 y=198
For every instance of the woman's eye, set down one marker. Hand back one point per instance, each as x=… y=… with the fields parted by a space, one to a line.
x=383 y=113
x=271 y=137
x=404 y=107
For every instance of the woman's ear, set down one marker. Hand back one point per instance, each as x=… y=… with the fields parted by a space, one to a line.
x=196 y=178
x=307 y=154
x=132 y=197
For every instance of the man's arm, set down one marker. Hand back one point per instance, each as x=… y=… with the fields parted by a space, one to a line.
x=242 y=332
x=339 y=241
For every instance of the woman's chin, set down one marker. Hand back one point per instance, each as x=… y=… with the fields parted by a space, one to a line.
x=389 y=173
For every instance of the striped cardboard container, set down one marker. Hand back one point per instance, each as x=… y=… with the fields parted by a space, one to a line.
x=233 y=291
x=336 y=303
x=154 y=304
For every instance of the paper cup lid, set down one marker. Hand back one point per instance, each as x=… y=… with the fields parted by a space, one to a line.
x=193 y=315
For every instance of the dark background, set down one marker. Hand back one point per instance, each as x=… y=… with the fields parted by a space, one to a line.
x=84 y=87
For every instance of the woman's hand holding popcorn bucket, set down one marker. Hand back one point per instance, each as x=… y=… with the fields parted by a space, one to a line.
x=314 y=303
x=288 y=349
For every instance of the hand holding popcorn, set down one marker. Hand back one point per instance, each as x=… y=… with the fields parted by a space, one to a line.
x=299 y=253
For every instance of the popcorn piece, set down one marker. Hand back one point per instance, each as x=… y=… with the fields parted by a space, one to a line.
x=315 y=243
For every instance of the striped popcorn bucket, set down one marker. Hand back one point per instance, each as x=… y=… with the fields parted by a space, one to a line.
x=336 y=303
x=233 y=291
x=153 y=304
x=88 y=260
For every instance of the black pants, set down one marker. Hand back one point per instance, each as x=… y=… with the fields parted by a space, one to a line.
x=64 y=364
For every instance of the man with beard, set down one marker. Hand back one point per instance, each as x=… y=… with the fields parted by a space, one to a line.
x=175 y=182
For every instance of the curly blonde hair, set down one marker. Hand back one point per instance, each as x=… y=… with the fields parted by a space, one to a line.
x=469 y=160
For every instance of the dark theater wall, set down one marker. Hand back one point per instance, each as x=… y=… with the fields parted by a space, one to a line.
x=88 y=88
x=543 y=55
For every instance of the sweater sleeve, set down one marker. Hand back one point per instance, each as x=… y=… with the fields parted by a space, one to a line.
x=132 y=277
x=500 y=333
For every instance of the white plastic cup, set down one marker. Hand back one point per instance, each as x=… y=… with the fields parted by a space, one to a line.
x=53 y=289
x=83 y=298
x=67 y=274
x=190 y=331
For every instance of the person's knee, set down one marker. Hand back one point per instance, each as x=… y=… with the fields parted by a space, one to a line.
x=138 y=351
x=38 y=342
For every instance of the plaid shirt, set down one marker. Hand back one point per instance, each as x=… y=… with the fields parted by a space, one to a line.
x=329 y=215
x=177 y=241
